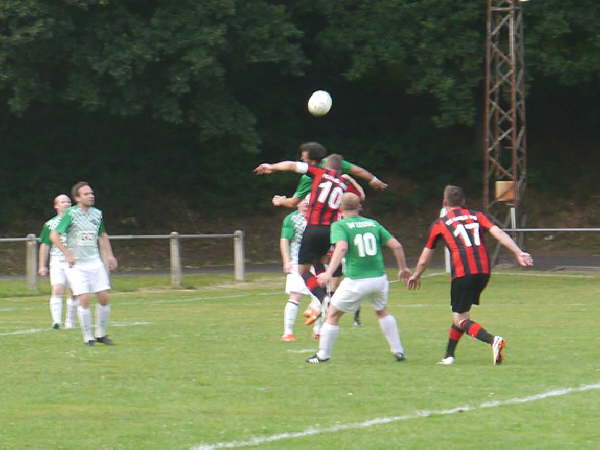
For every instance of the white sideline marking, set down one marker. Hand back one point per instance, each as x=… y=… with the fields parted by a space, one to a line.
x=304 y=350
x=41 y=330
x=311 y=431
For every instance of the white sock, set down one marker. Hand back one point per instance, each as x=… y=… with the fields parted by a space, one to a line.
x=392 y=335
x=85 y=321
x=71 y=311
x=56 y=309
x=102 y=316
x=317 y=325
x=289 y=316
x=329 y=334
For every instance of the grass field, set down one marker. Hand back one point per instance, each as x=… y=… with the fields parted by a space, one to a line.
x=204 y=368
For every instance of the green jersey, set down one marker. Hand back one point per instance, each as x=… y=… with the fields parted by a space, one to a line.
x=292 y=229
x=305 y=183
x=55 y=253
x=365 y=238
x=82 y=229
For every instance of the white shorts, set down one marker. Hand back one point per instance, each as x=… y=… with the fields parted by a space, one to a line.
x=294 y=283
x=58 y=275
x=351 y=292
x=88 y=277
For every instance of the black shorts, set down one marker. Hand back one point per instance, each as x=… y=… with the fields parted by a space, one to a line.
x=465 y=291
x=315 y=244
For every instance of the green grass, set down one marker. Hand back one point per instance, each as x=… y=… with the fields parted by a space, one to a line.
x=206 y=366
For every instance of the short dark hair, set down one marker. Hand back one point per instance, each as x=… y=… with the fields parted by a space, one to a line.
x=316 y=152
x=76 y=187
x=454 y=195
x=334 y=162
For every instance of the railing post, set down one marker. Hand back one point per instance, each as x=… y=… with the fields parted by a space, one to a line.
x=175 y=259
x=31 y=262
x=238 y=255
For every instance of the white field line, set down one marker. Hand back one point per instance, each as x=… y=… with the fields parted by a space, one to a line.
x=42 y=330
x=311 y=431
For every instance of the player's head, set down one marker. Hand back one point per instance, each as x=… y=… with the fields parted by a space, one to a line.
x=454 y=196
x=62 y=202
x=334 y=162
x=83 y=194
x=350 y=203
x=312 y=152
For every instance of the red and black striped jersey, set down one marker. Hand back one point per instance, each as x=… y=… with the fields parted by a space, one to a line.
x=461 y=231
x=325 y=196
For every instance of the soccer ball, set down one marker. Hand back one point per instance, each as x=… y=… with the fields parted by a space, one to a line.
x=319 y=103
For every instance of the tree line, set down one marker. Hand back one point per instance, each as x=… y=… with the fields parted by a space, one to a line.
x=167 y=105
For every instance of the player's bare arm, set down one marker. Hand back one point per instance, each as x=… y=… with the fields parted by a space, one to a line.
x=414 y=282
x=356 y=185
x=364 y=174
x=288 y=202
x=43 y=259
x=341 y=247
x=284 y=248
x=523 y=258
x=55 y=238
x=268 y=169
x=106 y=250
x=404 y=272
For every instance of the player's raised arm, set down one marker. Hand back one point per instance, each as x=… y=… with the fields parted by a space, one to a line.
x=364 y=174
x=357 y=187
x=283 y=166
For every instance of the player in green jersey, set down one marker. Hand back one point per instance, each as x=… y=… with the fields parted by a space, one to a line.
x=86 y=236
x=58 y=264
x=292 y=230
x=360 y=240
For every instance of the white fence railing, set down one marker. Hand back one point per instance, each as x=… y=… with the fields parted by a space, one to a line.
x=31 y=249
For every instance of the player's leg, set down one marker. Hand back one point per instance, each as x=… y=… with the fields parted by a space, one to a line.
x=289 y=315
x=378 y=289
x=56 y=299
x=328 y=335
x=85 y=318
x=102 y=317
x=71 y=310
x=469 y=289
x=58 y=281
x=100 y=284
x=313 y=251
x=79 y=285
x=345 y=299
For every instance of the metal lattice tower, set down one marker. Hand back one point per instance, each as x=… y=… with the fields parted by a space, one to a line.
x=504 y=134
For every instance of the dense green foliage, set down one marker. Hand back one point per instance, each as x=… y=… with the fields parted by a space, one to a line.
x=170 y=104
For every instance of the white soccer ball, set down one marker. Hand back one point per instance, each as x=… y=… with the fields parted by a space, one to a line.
x=319 y=103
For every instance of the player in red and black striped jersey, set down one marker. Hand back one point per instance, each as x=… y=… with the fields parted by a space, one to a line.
x=461 y=230
x=327 y=187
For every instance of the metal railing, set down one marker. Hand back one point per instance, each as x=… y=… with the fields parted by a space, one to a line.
x=31 y=249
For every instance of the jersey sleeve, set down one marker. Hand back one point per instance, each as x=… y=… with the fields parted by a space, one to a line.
x=303 y=188
x=64 y=223
x=434 y=235
x=346 y=166
x=302 y=167
x=101 y=228
x=45 y=235
x=337 y=233
x=287 y=229
x=484 y=221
